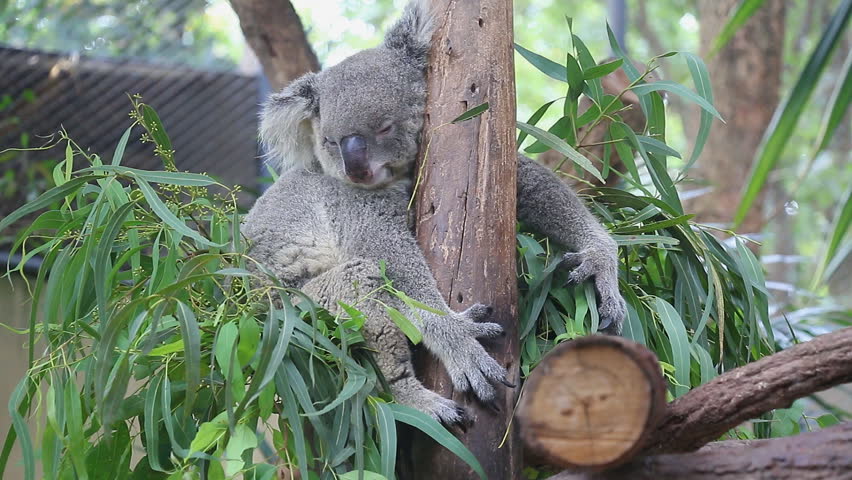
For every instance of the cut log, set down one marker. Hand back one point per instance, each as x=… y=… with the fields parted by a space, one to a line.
x=824 y=454
x=708 y=411
x=592 y=403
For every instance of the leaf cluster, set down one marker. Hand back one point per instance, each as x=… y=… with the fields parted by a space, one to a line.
x=160 y=332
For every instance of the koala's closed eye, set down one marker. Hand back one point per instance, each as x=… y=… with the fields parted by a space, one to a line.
x=384 y=130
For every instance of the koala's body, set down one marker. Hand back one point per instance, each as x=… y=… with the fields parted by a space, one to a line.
x=347 y=140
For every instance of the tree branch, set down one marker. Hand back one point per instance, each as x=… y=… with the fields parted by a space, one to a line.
x=275 y=33
x=707 y=412
x=814 y=455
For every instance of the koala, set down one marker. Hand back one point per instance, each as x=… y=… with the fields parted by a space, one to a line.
x=346 y=139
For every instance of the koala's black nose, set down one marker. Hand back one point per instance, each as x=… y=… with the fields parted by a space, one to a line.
x=354 y=151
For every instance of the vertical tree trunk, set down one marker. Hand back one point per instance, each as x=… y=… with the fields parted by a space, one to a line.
x=746 y=77
x=466 y=213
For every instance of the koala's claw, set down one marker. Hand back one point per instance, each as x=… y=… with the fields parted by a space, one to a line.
x=582 y=267
x=450 y=414
x=612 y=310
x=505 y=381
x=611 y=306
x=410 y=392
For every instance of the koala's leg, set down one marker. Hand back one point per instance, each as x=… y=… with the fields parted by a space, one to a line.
x=550 y=207
x=350 y=282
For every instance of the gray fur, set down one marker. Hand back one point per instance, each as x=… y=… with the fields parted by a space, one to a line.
x=320 y=229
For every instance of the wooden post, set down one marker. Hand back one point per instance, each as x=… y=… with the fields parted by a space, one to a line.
x=466 y=214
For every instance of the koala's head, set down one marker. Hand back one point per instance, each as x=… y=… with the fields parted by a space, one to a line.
x=360 y=120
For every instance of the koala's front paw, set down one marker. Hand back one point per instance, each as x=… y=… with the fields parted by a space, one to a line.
x=410 y=392
x=603 y=266
x=456 y=343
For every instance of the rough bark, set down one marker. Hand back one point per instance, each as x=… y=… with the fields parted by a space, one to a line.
x=591 y=403
x=816 y=455
x=466 y=212
x=708 y=411
x=275 y=33
x=746 y=77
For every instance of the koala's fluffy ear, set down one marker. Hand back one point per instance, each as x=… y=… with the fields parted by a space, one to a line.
x=412 y=33
x=285 y=123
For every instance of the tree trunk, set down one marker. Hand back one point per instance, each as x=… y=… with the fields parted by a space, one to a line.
x=466 y=214
x=591 y=403
x=816 y=455
x=746 y=77
x=275 y=33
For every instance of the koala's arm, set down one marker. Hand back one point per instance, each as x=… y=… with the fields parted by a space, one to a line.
x=452 y=337
x=548 y=206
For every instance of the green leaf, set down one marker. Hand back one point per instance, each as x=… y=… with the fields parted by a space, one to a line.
x=744 y=11
x=353 y=385
x=241 y=440
x=249 y=339
x=534 y=118
x=191 y=335
x=102 y=252
x=226 y=340
x=76 y=438
x=575 y=77
x=473 y=112
x=545 y=65
x=787 y=115
x=162 y=350
x=404 y=324
x=167 y=216
x=676 y=333
x=272 y=350
x=621 y=131
x=21 y=431
x=429 y=426
x=839 y=102
x=562 y=128
x=155 y=176
x=152 y=123
x=677 y=89
x=122 y=145
x=659 y=174
x=603 y=69
x=842 y=221
x=644 y=239
x=653 y=145
x=209 y=433
x=387 y=437
x=629 y=69
x=46 y=199
x=653 y=226
x=362 y=475
x=560 y=146
x=701 y=80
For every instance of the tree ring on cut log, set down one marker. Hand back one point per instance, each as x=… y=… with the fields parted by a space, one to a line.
x=591 y=403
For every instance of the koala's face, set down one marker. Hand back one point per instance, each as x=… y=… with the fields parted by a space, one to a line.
x=369 y=118
x=360 y=120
